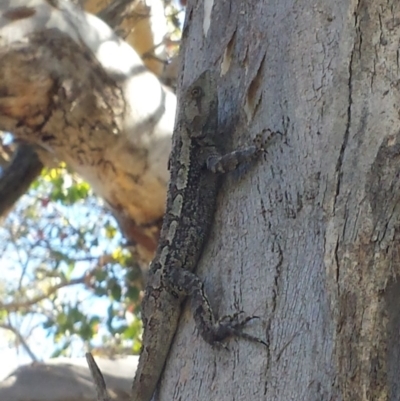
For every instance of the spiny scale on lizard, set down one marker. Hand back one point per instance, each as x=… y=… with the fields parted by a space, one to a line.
x=196 y=163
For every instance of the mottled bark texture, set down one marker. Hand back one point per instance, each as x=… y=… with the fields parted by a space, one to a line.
x=69 y=85
x=309 y=239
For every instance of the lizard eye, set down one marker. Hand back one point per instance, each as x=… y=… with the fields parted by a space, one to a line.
x=196 y=92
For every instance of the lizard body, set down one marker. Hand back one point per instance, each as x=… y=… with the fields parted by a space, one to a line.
x=190 y=205
x=197 y=160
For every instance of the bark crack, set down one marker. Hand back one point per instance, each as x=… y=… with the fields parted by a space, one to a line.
x=275 y=294
x=339 y=163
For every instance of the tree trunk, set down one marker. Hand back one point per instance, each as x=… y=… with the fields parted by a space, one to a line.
x=308 y=238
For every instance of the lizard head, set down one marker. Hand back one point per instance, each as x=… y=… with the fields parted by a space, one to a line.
x=200 y=102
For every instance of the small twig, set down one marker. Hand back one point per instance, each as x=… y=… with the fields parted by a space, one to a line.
x=15 y=306
x=21 y=340
x=98 y=379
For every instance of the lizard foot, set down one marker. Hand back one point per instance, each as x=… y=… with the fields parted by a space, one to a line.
x=232 y=326
x=262 y=139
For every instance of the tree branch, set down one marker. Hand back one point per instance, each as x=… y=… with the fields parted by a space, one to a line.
x=16 y=306
x=20 y=339
x=18 y=176
x=110 y=120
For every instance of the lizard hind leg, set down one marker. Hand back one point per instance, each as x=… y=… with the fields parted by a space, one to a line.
x=232 y=326
x=213 y=331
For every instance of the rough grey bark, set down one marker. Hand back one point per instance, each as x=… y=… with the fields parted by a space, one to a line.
x=309 y=239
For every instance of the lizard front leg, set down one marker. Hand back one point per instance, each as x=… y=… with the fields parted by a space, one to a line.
x=221 y=164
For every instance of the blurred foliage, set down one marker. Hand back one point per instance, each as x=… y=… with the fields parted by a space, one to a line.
x=69 y=284
x=67 y=275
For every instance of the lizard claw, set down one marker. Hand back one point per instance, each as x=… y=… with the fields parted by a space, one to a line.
x=261 y=140
x=219 y=345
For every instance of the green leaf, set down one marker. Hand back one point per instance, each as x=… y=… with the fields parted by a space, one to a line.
x=133 y=293
x=116 y=292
